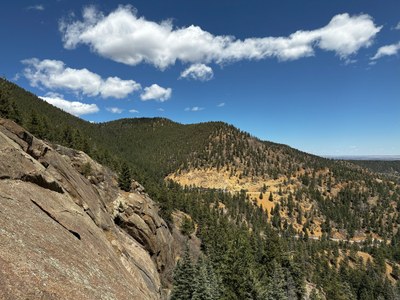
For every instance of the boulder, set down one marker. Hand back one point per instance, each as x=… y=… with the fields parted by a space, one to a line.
x=136 y=186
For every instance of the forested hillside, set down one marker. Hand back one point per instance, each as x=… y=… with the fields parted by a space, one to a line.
x=390 y=168
x=274 y=222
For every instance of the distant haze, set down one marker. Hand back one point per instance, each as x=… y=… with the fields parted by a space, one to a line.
x=364 y=157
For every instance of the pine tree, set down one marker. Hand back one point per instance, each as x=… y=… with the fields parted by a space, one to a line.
x=8 y=108
x=187 y=227
x=124 y=179
x=202 y=289
x=35 y=125
x=264 y=188
x=78 y=139
x=5 y=104
x=67 y=138
x=237 y=267
x=86 y=146
x=14 y=113
x=45 y=132
x=215 y=281
x=276 y=289
x=183 y=278
x=271 y=198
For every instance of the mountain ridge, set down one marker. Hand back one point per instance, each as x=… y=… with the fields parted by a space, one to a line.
x=158 y=148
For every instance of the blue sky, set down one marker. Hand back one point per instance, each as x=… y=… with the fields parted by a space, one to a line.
x=319 y=76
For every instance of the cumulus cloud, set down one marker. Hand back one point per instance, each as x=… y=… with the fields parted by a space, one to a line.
x=198 y=72
x=114 y=110
x=194 y=108
x=73 y=107
x=53 y=74
x=118 y=88
x=387 y=50
x=156 y=92
x=397 y=27
x=134 y=111
x=125 y=37
x=36 y=7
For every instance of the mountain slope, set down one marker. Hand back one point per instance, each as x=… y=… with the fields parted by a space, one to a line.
x=389 y=167
x=314 y=195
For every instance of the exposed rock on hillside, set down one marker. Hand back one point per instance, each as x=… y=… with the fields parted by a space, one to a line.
x=137 y=215
x=58 y=238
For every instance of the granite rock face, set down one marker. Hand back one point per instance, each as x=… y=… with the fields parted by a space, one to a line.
x=138 y=216
x=68 y=232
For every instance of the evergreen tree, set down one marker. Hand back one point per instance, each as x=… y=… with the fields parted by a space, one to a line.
x=35 y=125
x=276 y=289
x=8 y=107
x=271 y=198
x=183 y=278
x=202 y=286
x=236 y=269
x=264 y=188
x=215 y=281
x=86 y=146
x=67 y=138
x=5 y=105
x=124 y=179
x=187 y=227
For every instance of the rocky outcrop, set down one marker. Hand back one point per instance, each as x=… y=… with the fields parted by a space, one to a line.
x=68 y=232
x=192 y=242
x=139 y=218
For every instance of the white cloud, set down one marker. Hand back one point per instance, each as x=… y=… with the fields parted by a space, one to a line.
x=397 y=27
x=117 y=88
x=387 y=51
x=346 y=34
x=114 y=110
x=73 y=107
x=194 y=108
x=160 y=109
x=36 y=7
x=156 y=92
x=134 y=111
x=53 y=74
x=198 y=72
x=222 y=104
x=16 y=77
x=126 y=38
